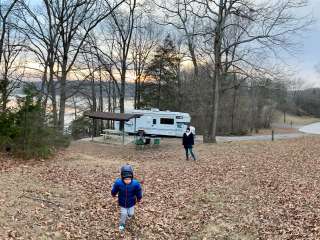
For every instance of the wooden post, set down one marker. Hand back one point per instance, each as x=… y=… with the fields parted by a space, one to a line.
x=92 y=130
x=272 y=135
x=123 y=133
x=135 y=128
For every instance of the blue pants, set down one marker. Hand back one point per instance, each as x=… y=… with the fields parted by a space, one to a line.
x=189 y=150
x=125 y=213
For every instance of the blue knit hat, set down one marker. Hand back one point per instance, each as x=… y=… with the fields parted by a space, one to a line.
x=126 y=171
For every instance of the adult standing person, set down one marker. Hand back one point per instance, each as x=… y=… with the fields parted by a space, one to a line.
x=188 y=142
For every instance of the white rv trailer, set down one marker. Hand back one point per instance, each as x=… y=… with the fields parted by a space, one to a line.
x=156 y=122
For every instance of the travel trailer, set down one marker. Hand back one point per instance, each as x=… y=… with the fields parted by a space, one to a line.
x=156 y=122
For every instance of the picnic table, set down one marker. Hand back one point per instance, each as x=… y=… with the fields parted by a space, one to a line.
x=112 y=132
x=108 y=132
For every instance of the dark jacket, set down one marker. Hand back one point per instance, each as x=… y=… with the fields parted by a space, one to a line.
x=188 y=141
x=128 y=194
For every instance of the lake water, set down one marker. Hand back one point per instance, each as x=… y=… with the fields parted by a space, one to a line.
x=81 y=104
x=70 y=116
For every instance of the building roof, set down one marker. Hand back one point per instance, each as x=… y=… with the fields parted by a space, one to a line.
x=157 y=112
x=112 y=116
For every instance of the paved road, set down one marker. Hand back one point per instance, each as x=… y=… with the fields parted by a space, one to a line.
x=255 y=137
x=260 y=137
x=313 y=128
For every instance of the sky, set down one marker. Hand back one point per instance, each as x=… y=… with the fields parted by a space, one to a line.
x=304 y=62
x=309 y=55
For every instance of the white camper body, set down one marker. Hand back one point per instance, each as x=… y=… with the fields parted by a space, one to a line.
x=155 y=122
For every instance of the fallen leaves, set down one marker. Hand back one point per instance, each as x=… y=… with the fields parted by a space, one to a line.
x=235 y=191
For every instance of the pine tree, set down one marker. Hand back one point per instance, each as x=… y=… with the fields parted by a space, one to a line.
x=161 y=87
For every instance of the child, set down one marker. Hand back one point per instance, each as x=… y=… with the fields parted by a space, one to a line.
x=129 y=191
x=188 y=142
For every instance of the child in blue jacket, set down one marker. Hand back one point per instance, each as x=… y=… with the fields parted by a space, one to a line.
x=129 y=192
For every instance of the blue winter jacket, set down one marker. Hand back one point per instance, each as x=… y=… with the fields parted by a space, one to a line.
x=128 y=194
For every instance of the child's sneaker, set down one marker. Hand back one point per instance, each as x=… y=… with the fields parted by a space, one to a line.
x=121 y=228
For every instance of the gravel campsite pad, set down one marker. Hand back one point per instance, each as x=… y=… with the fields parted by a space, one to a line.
x=245 y=190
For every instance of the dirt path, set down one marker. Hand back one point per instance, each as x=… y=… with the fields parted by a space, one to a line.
x=247 y=190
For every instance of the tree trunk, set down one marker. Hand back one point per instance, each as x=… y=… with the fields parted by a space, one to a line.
x=114 y=97
x=253 y=107
x=4 y=98
x=63 y=96
x=122 y=91
x=159 y=89
x=233 y=103
x=193 y=58
x=74 y=107
x=139 y=93
x=135 y=93
x=44 y=86
x=94 y=104
x=52 y=89
x=5 y=83
x=100 y=98
x=213 y=110
x=114 y=100
x=3 y=31
x=179 y=99
x=109 y=101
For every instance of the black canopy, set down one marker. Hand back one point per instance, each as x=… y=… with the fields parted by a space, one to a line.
x=112 y=116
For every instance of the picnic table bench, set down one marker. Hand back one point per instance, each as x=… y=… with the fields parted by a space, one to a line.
x=105 y=136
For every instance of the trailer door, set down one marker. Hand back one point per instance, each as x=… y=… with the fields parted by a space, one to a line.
x=144 y=123
x=181 y=128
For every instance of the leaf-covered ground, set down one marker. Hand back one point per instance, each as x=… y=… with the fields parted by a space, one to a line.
x=247 y=190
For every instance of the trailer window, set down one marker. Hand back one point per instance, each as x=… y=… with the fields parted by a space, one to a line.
x=182 y=124
x=154 y=121
x=167 y=121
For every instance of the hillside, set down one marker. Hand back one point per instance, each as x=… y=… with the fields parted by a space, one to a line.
x=253 y=190
x=294 y=119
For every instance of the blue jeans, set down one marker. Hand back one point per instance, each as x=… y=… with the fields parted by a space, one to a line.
x=125 y=213
x=189 y=150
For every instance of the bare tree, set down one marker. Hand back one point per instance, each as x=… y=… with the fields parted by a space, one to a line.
x=266 y=25
x=145 y=39
x=6 y=10
x=76 y=19
x=178 y=14
x=113 y=54
x=10 y=48
x=11 y=69
x=42 y=31
x=123 y=24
